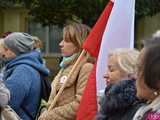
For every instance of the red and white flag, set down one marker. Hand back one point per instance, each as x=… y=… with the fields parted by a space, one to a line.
x=119 y=33
x=114 y=29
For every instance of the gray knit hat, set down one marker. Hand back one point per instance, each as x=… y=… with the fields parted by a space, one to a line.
x=19 y=42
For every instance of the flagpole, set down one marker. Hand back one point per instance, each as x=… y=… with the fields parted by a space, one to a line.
x=65 y=83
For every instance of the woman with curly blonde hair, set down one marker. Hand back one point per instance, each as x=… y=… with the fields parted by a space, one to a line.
x=120 y=101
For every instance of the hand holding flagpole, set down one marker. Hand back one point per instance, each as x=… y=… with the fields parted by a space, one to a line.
x=65 y=83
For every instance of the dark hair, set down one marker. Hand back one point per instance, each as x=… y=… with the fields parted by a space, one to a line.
x=151 y=67
x=6 y=34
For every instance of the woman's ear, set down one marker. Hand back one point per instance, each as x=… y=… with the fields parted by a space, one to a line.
x=132 y=76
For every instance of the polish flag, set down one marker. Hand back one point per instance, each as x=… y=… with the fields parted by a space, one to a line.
x=114 y=29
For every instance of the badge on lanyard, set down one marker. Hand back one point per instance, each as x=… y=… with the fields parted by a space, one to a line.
x=63 y=79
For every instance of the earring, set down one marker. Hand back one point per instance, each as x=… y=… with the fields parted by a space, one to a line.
x=155 y=93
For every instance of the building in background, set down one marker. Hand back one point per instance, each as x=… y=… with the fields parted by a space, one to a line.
x=17 y=19
x=145 y=27
x=13 y=19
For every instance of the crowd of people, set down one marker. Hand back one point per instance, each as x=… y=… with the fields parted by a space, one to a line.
x=132 y=78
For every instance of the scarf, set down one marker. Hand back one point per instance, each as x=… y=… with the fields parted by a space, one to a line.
x=154 y=106
x=69 y=60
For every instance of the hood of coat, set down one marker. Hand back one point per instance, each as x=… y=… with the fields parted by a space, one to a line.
x=33 y=59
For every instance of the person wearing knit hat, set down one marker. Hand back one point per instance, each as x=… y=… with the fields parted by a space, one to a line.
x=19 y=43
x=22 y=75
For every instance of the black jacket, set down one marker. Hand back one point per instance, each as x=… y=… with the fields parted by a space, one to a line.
x=120 y=102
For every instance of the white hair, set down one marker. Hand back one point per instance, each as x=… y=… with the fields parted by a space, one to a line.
x=156 y=34
x=126 y=59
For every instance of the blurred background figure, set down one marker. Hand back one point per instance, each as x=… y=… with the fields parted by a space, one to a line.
x=38 y=43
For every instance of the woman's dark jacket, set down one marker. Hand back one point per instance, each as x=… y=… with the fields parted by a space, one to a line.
x=120 y=102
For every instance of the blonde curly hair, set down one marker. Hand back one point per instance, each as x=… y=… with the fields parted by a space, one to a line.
x=126 y=59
